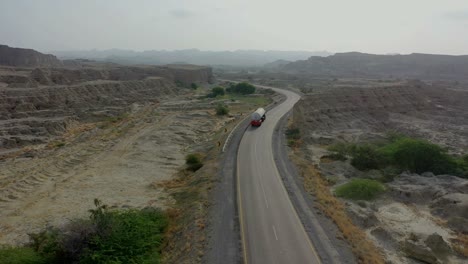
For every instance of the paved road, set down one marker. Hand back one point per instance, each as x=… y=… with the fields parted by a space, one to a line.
x=270 y=228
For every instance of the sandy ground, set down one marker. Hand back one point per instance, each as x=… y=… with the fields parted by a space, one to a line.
x=119 y=165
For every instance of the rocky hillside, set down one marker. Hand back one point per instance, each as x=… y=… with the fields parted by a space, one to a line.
x=419 y=218
x=38 y=104
x=26 y=58
x=413 y=66
x=350 y=113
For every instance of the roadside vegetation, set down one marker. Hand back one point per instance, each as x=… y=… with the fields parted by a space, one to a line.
x=400 y=154
x=222 y=109
x=241 y=88
x=216 y=91
x=108 y=236
x=293 y=136
x=314 y=183
x=364 y=250
x=193 y=162
x=360 y=189
x=241 y=92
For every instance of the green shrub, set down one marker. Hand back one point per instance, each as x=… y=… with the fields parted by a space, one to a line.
x=401 y=153
x=419 y=156
x=293 y=133
x=336 y=156
x=193 y=162
x=360 y=189
x=194 y=167
x=241 y=88
x=192 y=159
x=194 y=86
x=222 y=109
x=47 y=244
x=341 y=150
x=217 y=91
x=366 y=157
x=462 y=164
x=130 y=236
x=291 y=142
x=20 y=255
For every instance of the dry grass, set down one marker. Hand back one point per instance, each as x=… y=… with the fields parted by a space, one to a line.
x=365 y=251
x=460 y=244
x=185 y=238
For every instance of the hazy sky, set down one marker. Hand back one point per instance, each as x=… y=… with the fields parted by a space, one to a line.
x=374 y=26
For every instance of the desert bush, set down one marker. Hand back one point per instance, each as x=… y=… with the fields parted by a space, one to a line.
x=193 y=162
x=336 y=156
x=47 y=244
x=192 y=159
x=402 y=153
x=222 y=109
x=293 y=133
x=367 y=157
x=194 y=86
x=419 y=156
x=341 y=150
x=131 y=236
x=462 y=164
x=217 y=91
x=20 y=255
x=108 y=236
x=241 y=88
x=360 y=189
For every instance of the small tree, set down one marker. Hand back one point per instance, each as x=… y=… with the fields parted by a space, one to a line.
x=217 y=91
x=241 y=88
x=222 y=109
x=193 y=162
x=194 y=86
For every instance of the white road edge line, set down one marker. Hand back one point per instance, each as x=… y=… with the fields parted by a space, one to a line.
x=264 y=194
x=274 y=231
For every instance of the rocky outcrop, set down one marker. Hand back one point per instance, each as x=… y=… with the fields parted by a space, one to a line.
x=419 y=252
x=418 y=189
x=433 y=249
x=185 y=75
x=26 y=58
x=414 y=108
x=35 y=115
x=37 y=104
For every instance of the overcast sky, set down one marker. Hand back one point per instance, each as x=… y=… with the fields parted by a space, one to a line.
x=374 y=26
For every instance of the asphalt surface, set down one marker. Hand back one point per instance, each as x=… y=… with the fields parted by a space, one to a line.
x=224 y=240
x=271 y=230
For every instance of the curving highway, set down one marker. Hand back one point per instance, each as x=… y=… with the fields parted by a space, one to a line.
x=270 y=227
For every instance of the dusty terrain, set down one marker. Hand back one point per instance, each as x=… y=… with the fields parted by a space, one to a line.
x=38 y=104
x=88 y=130
x=421 y=216
x=119 y=164
x=121 y=141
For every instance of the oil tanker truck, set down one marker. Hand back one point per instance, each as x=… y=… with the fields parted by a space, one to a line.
x=258 y=117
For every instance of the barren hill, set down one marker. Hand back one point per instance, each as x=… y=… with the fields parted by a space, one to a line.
x=355 y=64
x=38 y=104
x=26 y=58
x=433 y=112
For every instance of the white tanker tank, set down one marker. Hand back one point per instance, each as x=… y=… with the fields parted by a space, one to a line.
x=258 y=117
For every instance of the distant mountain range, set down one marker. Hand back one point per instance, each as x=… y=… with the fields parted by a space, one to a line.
x=18 y=57
x=355 y=64
x=190 y=56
